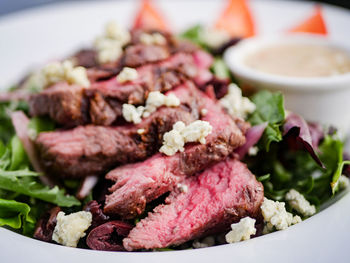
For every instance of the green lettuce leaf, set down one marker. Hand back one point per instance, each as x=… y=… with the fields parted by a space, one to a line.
x=24 y=182
x=23 y=197
x=19 y=159
x=289 y=169
x=220 y=69
x=6 y=128
x=40 y=124
x=12 y=213
x=16 y=177
x=194 y=34
x=270 y=109
x=332 y=157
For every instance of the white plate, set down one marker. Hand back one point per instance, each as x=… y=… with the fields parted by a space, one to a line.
x=31 y=37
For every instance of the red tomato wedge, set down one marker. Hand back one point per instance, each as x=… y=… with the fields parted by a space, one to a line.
x=236 y=19
x=148 y=17
x=315 y=24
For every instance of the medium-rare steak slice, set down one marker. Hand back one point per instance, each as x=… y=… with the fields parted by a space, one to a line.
x=101 y=103
x=94 y=149
x=216 y=198
x=140 y=183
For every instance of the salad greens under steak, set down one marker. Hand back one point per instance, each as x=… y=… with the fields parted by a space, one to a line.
x=23 y=197
x=284 y=159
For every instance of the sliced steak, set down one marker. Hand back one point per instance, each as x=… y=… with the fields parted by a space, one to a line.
x=62 y=102
x=86 y=58
x=101 y=103
x=138 y=55
x=216 y=198
x=91 y=149
x=140 y=183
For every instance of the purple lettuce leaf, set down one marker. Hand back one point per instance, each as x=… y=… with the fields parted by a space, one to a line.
x=299 y=132
x=316 y=132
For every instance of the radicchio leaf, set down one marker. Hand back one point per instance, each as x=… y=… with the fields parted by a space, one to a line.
x=46 y=225
x=298 y=129
x=253 y=135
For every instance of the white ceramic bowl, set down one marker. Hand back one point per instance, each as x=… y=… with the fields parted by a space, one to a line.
x=31 y=37
x=322 y=99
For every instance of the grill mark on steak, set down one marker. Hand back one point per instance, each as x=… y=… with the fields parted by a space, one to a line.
x=103 y=100
x=215 y=199
x=139 y=183
x=94 y=149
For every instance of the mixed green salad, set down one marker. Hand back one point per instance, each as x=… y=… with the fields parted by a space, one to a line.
x=289 y=154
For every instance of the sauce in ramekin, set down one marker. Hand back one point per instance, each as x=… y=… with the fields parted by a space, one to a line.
x=300 y=60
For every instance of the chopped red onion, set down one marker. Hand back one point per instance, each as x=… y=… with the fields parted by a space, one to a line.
x=86 y=186
x=253 y=135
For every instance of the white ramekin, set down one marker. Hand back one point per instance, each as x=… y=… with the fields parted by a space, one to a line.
x=322 y=99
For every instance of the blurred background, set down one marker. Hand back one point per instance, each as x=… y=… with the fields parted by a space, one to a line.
x=9 y=6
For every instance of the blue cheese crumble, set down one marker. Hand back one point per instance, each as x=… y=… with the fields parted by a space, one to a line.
x=70 y=228
x=131 y=113
x=63 y=71
x=174 y=140
x=152 y=39
x=127 y=74
x=154 y=100
x=110 y=45
x=276 y=216
x=298 y=202
x=235 y=104
x=241 y=230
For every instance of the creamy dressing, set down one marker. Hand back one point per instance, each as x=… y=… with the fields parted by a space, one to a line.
x=300 y=60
